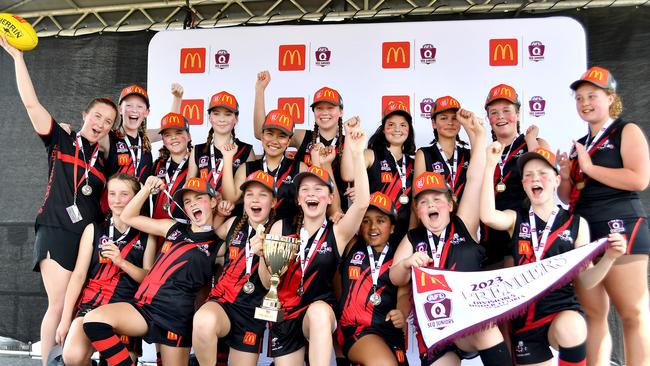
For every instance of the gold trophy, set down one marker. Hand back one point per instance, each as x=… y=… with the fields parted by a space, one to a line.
x=278 y=252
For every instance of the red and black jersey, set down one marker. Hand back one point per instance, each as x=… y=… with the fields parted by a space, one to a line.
x=285 y=208
x=460 y=252
x=204 y=163
x=304 y=154
x=229 y=287
x=108 y=283
x=161 y=199
x=597 y=201
x=120 y=159
x=357 y=312
x=514 y=194
x=383 y=176
x=318 y=274
x=435 y=162
x=561 y=239
x=183 y=266
x=64 y=158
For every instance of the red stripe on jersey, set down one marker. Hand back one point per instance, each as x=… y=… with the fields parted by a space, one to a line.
x=162 y=269
x=630 y=242
x=284 y=176
x=445 y=250
x=76 y=161
x=532 y=324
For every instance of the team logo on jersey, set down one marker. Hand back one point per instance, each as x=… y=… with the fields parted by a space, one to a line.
x=121 y=147
x=607 y=145
x=323 y=55
x=521 y=349
x=384 y=166
x=524 y=230
x=537 y=105
x=438 y=310
x=519 y=153
x=288 y=180
x=438 y=167
x=236 y=163
x=536 y=51
x=524 y=248
x=426 y=106
x=421 y=247
x=427 y=54
x=174 y=235
x=123 y=159
x=138 y=245
x=203 y=173
x=166 y=246
x=233 y=252
x=103 y=240
x=274 y=344
x=358 y=258
x=324 y=248
x=249 y=338
x=386 y=177
x=566 y=236
x=172 y=336
x=203 y=248
x=457 y=239
x=237 y=240
x=161 y=172
x=204 y=161
x=354 y=272
x=616 y=226
x=221 y=59
x=399 y=354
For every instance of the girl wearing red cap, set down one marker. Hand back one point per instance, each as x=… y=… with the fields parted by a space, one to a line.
x=502 y=107
x=447 y=155
x=305 y=290
x=389 y=162
x=601 y=180
x=373 y=310
x=447 y=240
x=162 y=308
x=540 y=231
x=114 y=259
x=206 y=160
x=76 y=178
x=276 y=134
x=327 y=106
x=229 y=312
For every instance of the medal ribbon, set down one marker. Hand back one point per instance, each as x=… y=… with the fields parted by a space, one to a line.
x=304 y=238
x=93 y=159
x=216 y=170
x=170 y=184
x=453 y=167
x=136 y=153
x=111 y=232
x=436 y=251
x=538 y=246
x=375 y=268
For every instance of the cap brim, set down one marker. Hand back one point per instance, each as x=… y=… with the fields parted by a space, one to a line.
x=513 y=101
x=336 y=104
x=531 y=155
x=439 y=190
x=146 y=100
x=284 y=130
x=300 y=176
x=574 y=85
x=400 y=112
x=434 y=114
x=392 y=215
x=247 y=183
x=233 y=110
x=173 y=128
x=178 y=195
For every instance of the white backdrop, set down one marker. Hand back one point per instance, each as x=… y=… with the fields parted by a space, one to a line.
x=550 y=53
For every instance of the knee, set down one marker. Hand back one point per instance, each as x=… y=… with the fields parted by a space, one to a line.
x=320 y=316
x=569 y=329
x=633 y=316
x=204 y=327
x=73 y=356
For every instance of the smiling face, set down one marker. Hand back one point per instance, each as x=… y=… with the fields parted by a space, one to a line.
x=503 y=117
x=375 y=228
x=447 y=124
x=120 y=192
x=199 y=207
x=133 y=110
x=97 y=122
x=258 y=202
x=274 y=142
x=327 y=115
x=434 y=210
x=540 y=181
x=175 y=140
x=593 y=103
x=396 y=129
x=222 y=120
x=313 y=197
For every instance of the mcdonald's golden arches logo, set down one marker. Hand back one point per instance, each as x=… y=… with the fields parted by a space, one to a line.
x=233 y=252
x=596 y=74
x=379 y=200
x=250 y=338
x=396 y=55
x=292 y=57
x=123 y=159
x=386 y=100
x=195 y=183
x=295 y=107
x=354 y=272
x=386 y=177
x=172 y=336
x=192 y=109
x=427 y=282
x=192 y=60
x=504 y=52
x=524 y=247
x=166 y=246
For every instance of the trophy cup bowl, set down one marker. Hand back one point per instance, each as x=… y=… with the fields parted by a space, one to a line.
x=279 y=251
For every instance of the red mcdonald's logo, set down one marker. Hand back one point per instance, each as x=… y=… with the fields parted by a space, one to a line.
x=386 y=99
x=426 y=282
x=295 y=107
x=353 y=272
x=292 y=57
x=203 y=173
x=233 y=252
x=125 y=339
x=400 y=355
x=524 y=247
x=386 y=177
x=192 y=60
x=396 y=55
x=192 y=109
x=250 y=338
x=172 y=336
x=123 y=159
x=195 y=183
x=166 y=245
x=504 y=52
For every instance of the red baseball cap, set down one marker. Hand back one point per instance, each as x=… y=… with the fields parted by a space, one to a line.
x=280 y=120
x=134 y=90
x=174 y=120
x=260 y=177
x=397 y=108
x=327 y=95
x=540 y=153
x=315 y=171
x=224 y=99
x=502 y=91
x=194 y=184
x=384 y=204
x=429 y=181
x=597 y=76
x=444 y=104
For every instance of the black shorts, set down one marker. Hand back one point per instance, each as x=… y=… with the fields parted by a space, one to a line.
x=496 y=244
x=246 y=332
x=634 y=229
x=160 y=335
x=133 y=344
x=286 y=337
x=392 y=340
x=531 y=346
x=62 y=246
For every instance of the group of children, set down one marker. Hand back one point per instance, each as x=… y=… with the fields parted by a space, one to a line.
x=171 y=250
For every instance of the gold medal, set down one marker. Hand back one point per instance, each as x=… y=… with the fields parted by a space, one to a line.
x=501 y=187
x=580 y=185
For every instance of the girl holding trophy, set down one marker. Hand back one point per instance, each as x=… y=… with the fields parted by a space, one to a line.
x=305 y=291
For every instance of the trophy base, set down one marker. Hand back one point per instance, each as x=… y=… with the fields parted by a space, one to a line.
x=269 y=314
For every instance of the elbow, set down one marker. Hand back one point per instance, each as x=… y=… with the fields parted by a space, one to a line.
x=640 y=185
